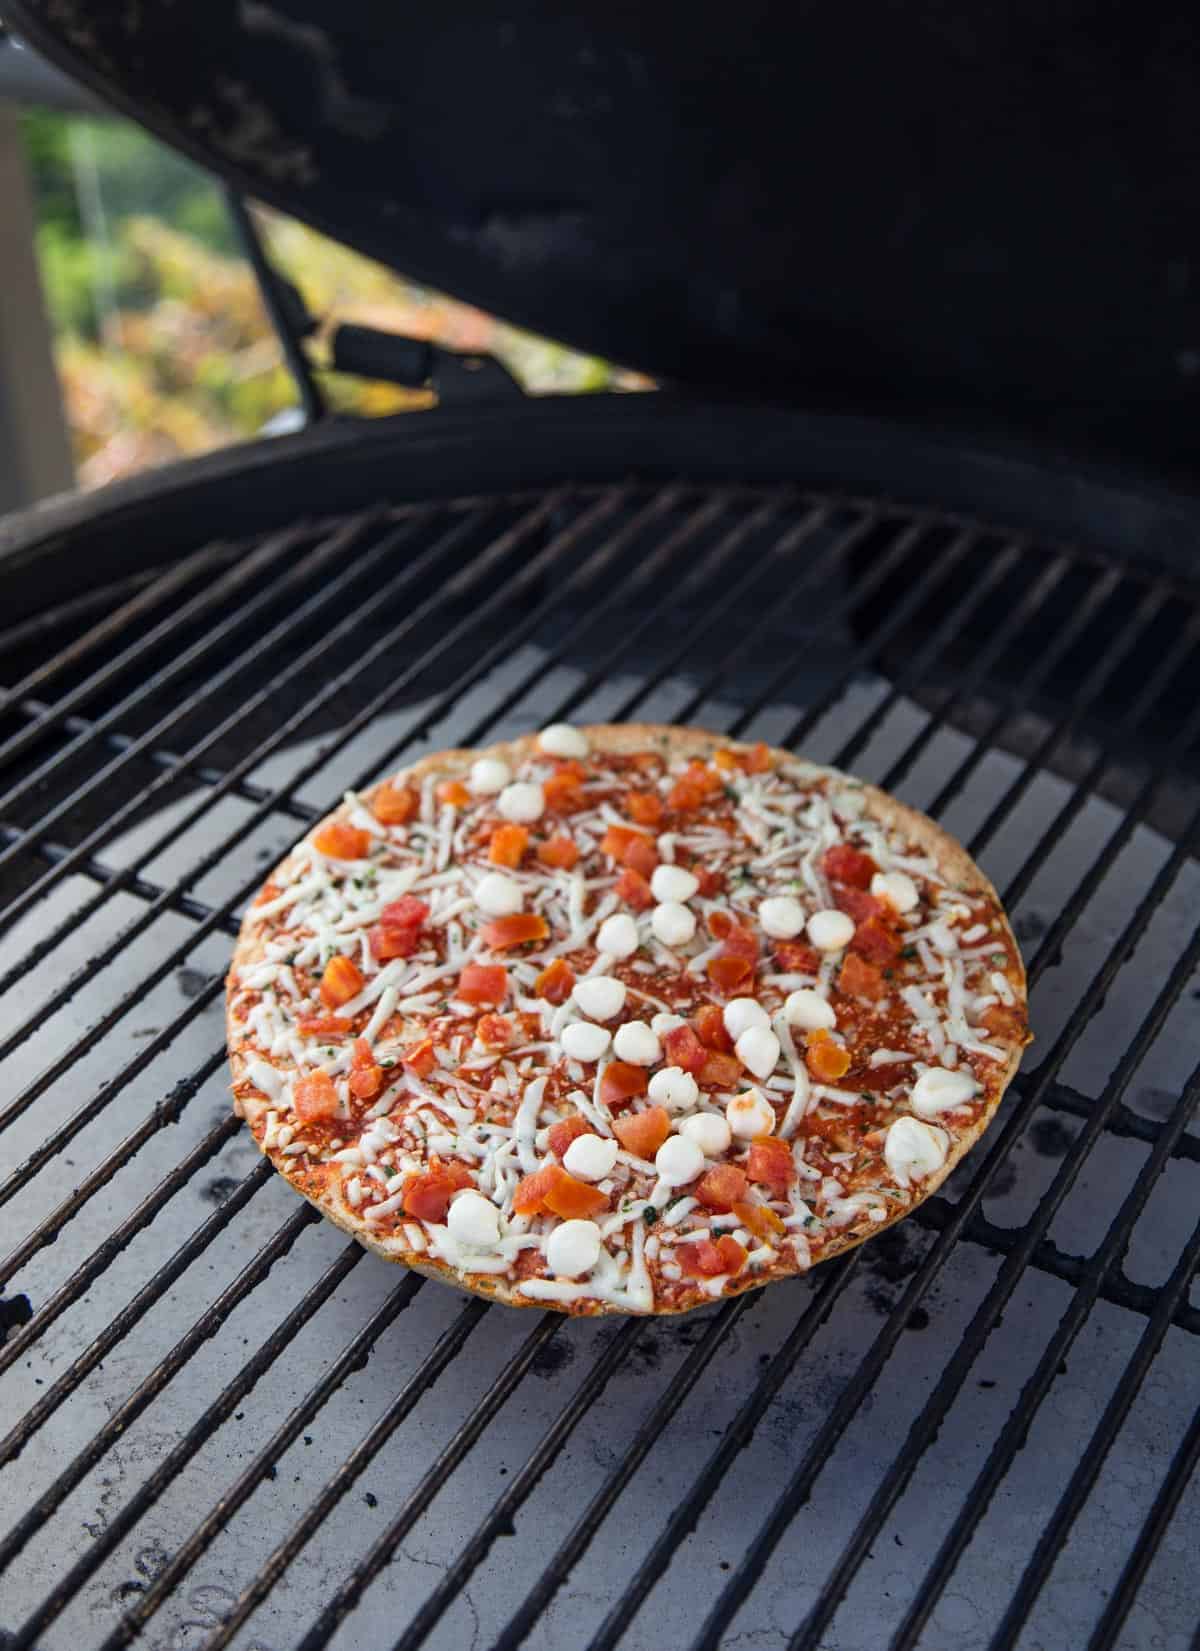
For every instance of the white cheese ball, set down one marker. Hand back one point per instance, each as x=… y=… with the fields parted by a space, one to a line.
x=674 y=1088
x=663 y=1023
x=913 y=1150
x=584 y=1042
x=741 y=1013
x=473 y=1221
x=750 y=1115
x=758 y=1050
x=897 y=889
x=678 y=1161
x=710 y=1133
x=808 y=1009
x=561 y=740
x=590 y=1157
x=600 y=996
x=636 y=1043
x=939 y=1090
x=488 y=776
x=498 y=895
x=781 y=916
x=521 y=802
x=573 y=1248
x=942 y=938
x=673 y=923
x=830 y=930
x=618 y=935
x=673 y=883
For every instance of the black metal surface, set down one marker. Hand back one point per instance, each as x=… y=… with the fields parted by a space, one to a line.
x=184 y=1464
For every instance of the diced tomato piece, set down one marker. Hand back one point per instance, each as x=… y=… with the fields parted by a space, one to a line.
x=630 y=848
x=711 y=1029
x=642 y=857
x=322 y=1026
x=342 y=842
x=725 y=759
x=825 y=1059
x=386 y=943
x=394 y=804
x=759 y=1219
x=642 y=1133
x=685 y=797
x=729 y=974
x=644 y=807
x=877 y=940
x=705 y=779
x=844 y=864
x=633 y=889
x=711 y=882
x=494 y=1031
x=420 y=1057
x=571 y=1199
x=719 y=1071
x=681 y=1047
x=556 y=981
x=855 y=902
x=559 y=852
x=531 y=1190
x=453 y=792
x=507 y=844
x=503 y=932
x=621 y=1083
x=314 y=1097
x=427 y=1197
x=736 y=940
x=794 y=958
x=563 y=794
x=366 y=1075
x=860 y=978
x=566 y=1131
x=756 y=760
x=769 y=1163
x=721 y=1187
x=269 y=891
x=701 y=1258
x=405 y=913
x=342 y=979
x=482 y=983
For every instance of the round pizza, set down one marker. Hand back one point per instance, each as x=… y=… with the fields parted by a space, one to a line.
x=621 y=1019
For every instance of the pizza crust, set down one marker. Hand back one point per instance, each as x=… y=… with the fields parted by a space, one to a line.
x=321 y=1185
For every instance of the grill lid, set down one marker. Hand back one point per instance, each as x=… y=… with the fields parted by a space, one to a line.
x=913 y=209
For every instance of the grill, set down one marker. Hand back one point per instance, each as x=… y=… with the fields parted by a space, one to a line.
x=224 y=1426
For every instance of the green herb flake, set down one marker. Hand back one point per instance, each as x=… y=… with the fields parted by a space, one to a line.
x=649 y=1215
x=999 y=959
x=909 y=953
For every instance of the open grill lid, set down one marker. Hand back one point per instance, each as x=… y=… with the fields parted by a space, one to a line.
x=984 y=213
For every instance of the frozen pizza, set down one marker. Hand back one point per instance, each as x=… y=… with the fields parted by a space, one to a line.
x=621 y=1019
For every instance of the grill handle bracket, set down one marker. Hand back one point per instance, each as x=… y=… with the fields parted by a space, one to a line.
x=418 y=364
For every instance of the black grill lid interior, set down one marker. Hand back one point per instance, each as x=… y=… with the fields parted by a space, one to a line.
x=982 y=211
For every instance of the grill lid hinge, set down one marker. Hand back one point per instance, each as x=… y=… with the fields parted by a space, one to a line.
x=418 y=364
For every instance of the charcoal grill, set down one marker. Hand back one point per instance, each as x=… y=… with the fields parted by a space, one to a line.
x=223 y=1425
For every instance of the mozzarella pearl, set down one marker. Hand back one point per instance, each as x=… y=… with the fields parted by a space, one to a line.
x=521 y=802
x=673 y=883
x=636 y=1043
x=590 y=1157
x=678 y=1161
x=573 y=1248
x=939 y=1090
x=758 y=1050
x=488 y=775
x=896 y=888
x=912 y=1150
x=810 y=1010
x=750 y=1115
x=673 y=923
x=661 y=1024
x=561 y=740
x=829 y=931
x=781 y=916
x=600 y=996
x=498 y=895
x=583 y=1041
x=674 y=1088
x=618 y=935
x=710 y=1133
x=473 y=1221
x=741 y=1013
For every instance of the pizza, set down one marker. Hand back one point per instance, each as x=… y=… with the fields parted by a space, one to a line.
x=621 y=1019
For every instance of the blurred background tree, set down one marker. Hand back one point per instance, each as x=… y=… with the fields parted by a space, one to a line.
x=162 y=343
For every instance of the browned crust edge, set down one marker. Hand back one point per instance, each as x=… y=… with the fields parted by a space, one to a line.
x=619 y=739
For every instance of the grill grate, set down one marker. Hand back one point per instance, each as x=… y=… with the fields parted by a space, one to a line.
x=235 y=1433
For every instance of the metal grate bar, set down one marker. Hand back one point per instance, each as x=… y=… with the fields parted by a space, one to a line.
x=48 y=621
